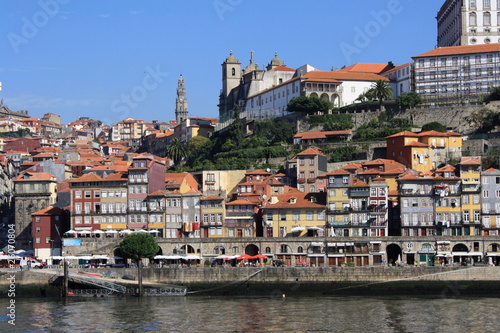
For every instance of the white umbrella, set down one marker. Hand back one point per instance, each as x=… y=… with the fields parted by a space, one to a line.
x=140 y=231
x=192 y=257
x=297 y=229
x=126 y=231
x=98 y=232
x=84 y=232
x=111 y=232
x=70 y=232
x=154 y=232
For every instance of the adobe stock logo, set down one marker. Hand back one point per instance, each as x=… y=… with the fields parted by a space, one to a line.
x=31 y=27
x=222 y=6
x=364 y=36
x=151 y=81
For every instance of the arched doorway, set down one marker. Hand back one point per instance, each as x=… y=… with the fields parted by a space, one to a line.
x=185 y=249
x=493 y=254
x=394 y=254
x=460 y=253
x=251 y=249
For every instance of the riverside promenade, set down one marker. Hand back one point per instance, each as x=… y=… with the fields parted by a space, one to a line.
x=442 y=280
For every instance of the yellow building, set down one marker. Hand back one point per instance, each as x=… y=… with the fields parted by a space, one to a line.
x=294 y=214
x=424 y=151
x=470 y=175
x=212 y=217
x=447 y=202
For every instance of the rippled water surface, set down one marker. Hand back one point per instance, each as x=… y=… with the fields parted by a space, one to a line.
x=256 y=314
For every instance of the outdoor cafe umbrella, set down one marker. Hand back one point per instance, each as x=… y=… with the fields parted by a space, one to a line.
x=259 y=256
x=245 y=256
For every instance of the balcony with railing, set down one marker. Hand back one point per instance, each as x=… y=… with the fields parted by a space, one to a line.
x=333 y=210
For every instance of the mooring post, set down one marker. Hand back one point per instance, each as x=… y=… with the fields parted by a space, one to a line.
x=65 y=280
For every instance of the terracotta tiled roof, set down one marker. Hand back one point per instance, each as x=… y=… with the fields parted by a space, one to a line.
x=396 y=68
x=303 y=200
x=338 y=172
x=311 y=151
x=470 y=160
x=49 y=211
x=402 y=134
x=244 y=201
x=491 y=170
x=35 y=176
x=361 y=67
x=436 y=133
x=452 y=50
x=358 y=183
x=338 y=76
x=446 y=168
x=283 y=69
x=88 y=177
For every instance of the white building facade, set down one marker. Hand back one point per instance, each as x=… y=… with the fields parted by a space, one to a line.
x=468 y=22
x=458 y=73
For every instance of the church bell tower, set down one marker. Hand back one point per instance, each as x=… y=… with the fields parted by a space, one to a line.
x=181 y=102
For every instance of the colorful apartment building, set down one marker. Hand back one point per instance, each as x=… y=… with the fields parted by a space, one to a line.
x=213 y=209
x=470 y=176
x=447 y=203
x=490 y=202
x=294 y=214
x=424 y=151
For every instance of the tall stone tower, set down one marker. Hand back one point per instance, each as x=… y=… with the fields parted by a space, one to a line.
x=231 y=79
x=181 y=102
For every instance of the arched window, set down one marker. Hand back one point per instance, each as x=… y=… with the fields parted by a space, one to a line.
x=300 y=249
x=268 y=249
x=233 y=71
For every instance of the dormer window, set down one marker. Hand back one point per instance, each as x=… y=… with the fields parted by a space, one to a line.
x=293 y=200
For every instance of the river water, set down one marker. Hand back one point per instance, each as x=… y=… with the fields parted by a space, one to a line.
x=255 y=314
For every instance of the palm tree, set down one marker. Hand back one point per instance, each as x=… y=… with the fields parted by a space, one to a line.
x=176 y=150
x=381 y=90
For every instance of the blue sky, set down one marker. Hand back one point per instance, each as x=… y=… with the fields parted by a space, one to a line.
x=113 y=59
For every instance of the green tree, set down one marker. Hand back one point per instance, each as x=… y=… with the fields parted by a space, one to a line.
x=136 y=247
x=409 y=100
x=381 y=91
x=494 y=94
x=309 y=105
x=434 y=126
x=176 y=150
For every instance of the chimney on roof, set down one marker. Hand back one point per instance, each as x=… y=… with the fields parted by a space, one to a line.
x=391 y=64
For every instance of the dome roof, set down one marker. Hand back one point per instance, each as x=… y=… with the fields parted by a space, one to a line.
x=231 y=59
x=276 y=61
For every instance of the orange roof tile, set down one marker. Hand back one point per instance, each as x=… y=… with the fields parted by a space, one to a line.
x=471 y=160
x=311 y=151
x=338 y=76
x=361 y=67
x=464 y=49
x=283 y=69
